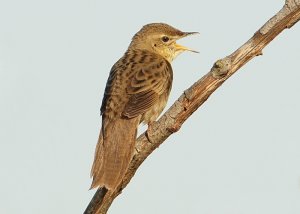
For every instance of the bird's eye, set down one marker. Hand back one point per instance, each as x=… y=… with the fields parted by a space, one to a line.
x=165 y=39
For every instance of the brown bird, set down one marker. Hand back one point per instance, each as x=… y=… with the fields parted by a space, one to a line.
x=137 y=91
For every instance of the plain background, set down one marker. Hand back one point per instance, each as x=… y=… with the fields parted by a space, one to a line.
x=238 y=154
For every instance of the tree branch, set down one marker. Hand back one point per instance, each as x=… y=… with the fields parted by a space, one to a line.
x=195 y=96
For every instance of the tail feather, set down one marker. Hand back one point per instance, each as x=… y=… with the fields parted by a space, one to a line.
x=114 y=151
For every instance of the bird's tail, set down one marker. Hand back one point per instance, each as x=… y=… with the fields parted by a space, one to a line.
x=114 y=152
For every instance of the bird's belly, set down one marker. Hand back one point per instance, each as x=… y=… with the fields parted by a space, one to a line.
x=153 y=113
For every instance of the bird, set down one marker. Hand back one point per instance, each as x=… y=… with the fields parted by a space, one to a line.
x=136 y=91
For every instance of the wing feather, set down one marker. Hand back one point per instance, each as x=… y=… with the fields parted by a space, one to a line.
x=146 y=86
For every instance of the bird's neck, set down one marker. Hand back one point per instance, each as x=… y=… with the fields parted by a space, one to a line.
x=167 y=55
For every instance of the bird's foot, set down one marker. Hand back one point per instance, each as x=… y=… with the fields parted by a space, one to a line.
x=149 y=131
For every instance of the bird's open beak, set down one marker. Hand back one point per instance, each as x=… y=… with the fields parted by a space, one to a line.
x=183 y=48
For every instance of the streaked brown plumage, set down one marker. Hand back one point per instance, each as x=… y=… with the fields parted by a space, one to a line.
x=137 y=91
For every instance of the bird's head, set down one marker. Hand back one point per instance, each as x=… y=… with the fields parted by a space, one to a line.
x=161 y=39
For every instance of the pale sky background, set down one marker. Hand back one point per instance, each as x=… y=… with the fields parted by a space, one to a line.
x=238 y=154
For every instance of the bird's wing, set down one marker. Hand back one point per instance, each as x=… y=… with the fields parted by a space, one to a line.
x=111 y=81
x=148 y=82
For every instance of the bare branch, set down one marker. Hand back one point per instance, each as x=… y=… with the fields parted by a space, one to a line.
x=196 y=95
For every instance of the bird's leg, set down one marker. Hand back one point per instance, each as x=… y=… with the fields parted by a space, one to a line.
x=150 y=131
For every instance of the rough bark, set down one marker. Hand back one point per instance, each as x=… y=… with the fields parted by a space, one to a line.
x=195 y=96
